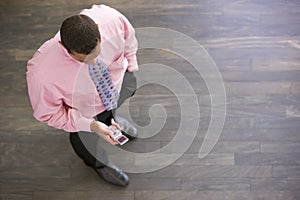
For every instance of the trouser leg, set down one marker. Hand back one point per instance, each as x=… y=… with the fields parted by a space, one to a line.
x=128 y=87
x=86 y=147
x=81 y=150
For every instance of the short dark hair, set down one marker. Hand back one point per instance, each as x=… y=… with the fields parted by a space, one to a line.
x=80 y=34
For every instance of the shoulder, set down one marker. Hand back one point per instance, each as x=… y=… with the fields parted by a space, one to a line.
x=51 y=63
x=103 y=14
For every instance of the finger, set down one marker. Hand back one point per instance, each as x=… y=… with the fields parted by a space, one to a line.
x=107 y=132
x=110 y=140
x=115 y=124
x=107 y=137
x=112 y=121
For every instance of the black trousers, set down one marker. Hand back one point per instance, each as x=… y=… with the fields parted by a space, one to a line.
x=128 y=89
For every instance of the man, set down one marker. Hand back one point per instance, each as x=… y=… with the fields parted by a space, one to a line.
x=65 y=81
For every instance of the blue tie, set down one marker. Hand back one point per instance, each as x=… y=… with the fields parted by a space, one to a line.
x=104 y=85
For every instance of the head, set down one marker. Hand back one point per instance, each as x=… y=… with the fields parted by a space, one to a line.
x=81 y=37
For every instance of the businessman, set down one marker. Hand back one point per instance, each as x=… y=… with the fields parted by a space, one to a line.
x=77 y=79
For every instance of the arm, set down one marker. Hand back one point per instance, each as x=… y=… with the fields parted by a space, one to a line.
x=49 y=108
x=131 y=45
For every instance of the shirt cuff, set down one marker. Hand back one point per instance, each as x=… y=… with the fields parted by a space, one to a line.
x=84 y=124
x=132 y=66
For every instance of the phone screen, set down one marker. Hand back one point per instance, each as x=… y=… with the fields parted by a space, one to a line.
x=122 y=139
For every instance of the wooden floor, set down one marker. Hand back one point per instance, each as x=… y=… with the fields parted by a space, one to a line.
x=256 y=46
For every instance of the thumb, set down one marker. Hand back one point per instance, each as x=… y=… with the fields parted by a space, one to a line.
x=115 y=124
x=107 y=131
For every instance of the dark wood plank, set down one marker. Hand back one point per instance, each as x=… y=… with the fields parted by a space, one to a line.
x=286 y=171
x=211 y=159
x=285 y=147
x=35 y=172
x=212 y=171
x=275 y=184
x=268 y=134
x=17 y=196
x=156 y=183
x=287 y=122
x=214 y=195
x=266 y=159
x=92 y=195
x=216 y=184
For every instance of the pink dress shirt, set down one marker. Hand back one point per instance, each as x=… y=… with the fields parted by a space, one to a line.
x=61 y=91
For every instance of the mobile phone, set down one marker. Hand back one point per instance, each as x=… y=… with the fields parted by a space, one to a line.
x=117 y=135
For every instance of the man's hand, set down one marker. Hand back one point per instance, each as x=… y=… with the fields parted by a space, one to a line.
x=115 y=124
x=102 y=130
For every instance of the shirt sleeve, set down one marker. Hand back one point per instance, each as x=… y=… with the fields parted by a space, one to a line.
x=131 y=45
x=51 y=109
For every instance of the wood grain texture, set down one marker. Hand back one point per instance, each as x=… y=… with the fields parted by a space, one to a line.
x=256 y=47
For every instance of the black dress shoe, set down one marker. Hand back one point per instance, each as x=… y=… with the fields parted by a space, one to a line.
x=112 y=174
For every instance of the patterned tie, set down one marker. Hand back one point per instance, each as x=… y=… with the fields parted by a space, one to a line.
x=104 y=85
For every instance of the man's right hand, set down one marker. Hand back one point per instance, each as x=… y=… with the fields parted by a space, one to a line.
x=102 y=130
